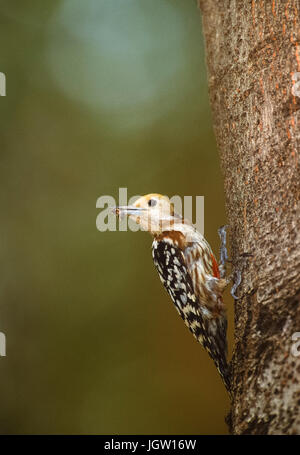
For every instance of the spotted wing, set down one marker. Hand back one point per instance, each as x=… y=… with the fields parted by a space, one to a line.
x=211 y=333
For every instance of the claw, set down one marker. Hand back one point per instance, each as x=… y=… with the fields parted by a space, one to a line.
x=237 y=276
x=223 y=249
x=237 y=282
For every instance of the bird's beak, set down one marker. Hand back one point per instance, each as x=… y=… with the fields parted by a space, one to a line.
x=123 y=210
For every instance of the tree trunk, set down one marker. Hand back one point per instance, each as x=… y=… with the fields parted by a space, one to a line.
x=253 y=60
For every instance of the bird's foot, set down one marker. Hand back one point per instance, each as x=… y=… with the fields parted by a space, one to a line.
x=223 y=251
x=236 y=276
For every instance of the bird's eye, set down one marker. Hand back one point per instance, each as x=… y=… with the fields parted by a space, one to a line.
x=152 y=202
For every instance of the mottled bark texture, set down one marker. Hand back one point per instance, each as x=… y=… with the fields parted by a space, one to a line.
x=253 y=55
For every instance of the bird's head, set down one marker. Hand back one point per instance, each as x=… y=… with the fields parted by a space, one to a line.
x=153 y=212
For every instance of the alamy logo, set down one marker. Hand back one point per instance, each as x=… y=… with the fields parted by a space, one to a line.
x=107 y=221
x=296 y=84
x=2 y=345
x=295 y=348
x=2 y=84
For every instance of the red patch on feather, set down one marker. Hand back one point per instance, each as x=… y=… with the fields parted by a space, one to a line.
x=216 y=270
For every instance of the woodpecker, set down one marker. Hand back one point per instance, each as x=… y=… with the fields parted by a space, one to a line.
x=189 y=271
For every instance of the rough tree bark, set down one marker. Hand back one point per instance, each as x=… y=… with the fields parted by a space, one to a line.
x=253 y=56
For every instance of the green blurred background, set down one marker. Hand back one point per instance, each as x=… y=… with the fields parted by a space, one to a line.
x=101 y=94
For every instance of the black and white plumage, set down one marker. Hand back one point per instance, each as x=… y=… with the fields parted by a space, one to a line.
x=208 y=329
